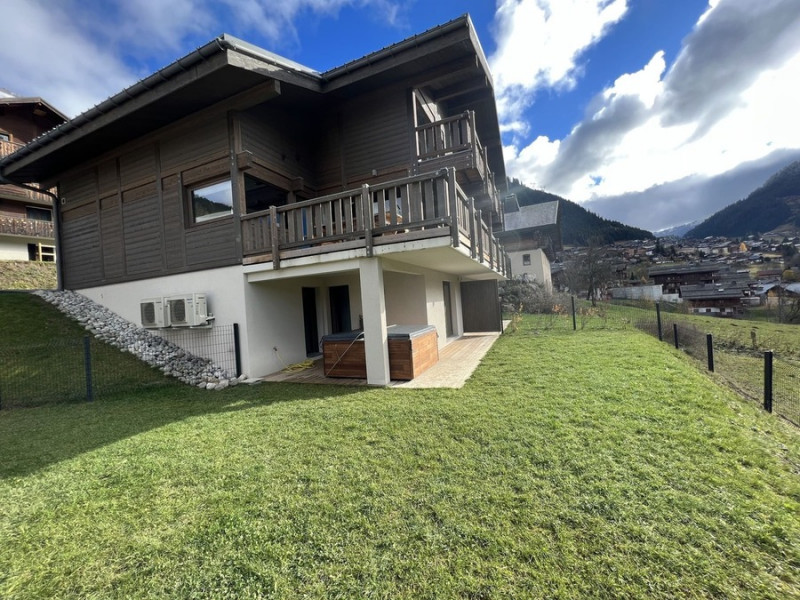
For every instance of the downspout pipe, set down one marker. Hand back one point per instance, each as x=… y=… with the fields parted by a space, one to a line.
x=56 y=229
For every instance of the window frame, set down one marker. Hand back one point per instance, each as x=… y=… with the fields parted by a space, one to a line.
x=192 y=217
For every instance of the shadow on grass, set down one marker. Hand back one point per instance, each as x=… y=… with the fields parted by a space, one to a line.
x=35 y=438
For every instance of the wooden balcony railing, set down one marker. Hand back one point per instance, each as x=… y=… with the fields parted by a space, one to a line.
x=7 y=147
x=26 y=227
x=413 y=208
x=453 y=137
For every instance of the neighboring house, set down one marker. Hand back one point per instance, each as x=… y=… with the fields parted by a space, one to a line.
x=531 y=237
x=715 y=299
x=672 y=278
x=296 y=203
x=26 y=216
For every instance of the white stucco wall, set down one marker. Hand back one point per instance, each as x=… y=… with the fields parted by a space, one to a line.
x=538 y=270
x=224 y=290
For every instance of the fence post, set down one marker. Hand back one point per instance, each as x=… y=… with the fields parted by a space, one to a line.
x=574 y=323
x=658 y=320
x=768 y=381
x=236 y=349
x=710 y=350
x=675 y=333
x=87 y=367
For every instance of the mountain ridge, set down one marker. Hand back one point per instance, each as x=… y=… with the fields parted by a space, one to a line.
x=772 y=206
x=579 y=226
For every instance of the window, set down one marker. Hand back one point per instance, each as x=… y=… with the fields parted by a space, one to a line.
x=213 y=201
x=38 y=213
x=260 y=195
x=4 y=137
x=526 y=259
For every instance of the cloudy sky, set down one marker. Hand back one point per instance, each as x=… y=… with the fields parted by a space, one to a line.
x=651 y=112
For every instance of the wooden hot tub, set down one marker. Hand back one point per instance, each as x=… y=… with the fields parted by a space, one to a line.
x=412 y=350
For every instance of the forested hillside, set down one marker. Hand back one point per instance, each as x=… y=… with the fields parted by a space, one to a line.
x=579 y=227
x=774 y=205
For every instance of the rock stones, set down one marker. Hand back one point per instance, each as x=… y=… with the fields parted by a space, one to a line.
x=171 y=359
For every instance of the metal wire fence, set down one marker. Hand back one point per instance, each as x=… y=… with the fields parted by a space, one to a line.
x=79 y=369
x=733 y=349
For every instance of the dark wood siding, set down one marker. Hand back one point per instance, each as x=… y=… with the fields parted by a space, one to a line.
x=281 y=141
x=211 y=244
x=198 y=145
x=124 y=217
x=80 y=253
x=172 y=199
x=376 y=132
x=141 y=217
x=111 y=234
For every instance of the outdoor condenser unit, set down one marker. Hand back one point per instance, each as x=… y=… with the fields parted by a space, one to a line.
x=187 y=310
x=154 y=315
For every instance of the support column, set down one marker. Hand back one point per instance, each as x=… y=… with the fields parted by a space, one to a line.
x=373 y=307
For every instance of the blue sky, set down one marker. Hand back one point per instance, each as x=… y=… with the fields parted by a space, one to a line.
x=652 y=112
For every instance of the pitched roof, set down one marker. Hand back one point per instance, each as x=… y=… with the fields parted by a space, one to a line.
x=227 y=66
x=532 y=216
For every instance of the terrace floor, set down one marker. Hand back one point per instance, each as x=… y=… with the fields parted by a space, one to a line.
x=457 y=361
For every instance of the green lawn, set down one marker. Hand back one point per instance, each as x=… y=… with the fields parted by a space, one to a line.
x=596 y=464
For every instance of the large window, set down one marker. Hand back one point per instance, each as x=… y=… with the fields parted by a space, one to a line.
x=211 y=201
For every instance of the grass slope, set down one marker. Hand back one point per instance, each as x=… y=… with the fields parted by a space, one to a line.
x=27 y=275
x=599 y=464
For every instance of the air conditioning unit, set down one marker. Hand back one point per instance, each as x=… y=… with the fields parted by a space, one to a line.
x=154 y=315
x=187 y=310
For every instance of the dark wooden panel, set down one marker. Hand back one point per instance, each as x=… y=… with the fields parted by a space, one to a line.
x=283 y=142
x=107 y=180
x=80 y=251
x=200 y=144
x=112 y=238
x=480 y=303
x=212 y=244
x=172 y=207
x=376 y=133
x=138 y=166
x=142 y=232
x=79 y=187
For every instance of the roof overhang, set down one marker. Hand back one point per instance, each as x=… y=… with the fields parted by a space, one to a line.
x=448 y=58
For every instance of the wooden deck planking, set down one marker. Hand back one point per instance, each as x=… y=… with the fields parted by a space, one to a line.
x=457 y=361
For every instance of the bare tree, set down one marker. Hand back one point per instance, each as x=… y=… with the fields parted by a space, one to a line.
x=589 y=272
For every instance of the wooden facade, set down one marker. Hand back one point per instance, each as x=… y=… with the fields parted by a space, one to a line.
x=310 y=142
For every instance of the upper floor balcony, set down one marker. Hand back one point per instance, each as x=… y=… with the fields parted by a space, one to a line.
x=19 y=226
x=7 y=147
x=413 y=209
x=453 y=142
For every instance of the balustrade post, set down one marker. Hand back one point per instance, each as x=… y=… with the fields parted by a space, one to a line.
x=479 y=227
x=472 y=240
x=492 y=248
x=366 y=207
x=452 y=198
x=274 y=231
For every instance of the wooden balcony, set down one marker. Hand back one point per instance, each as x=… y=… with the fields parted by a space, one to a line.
x=22 y=227
x=420 y=207
x=7 y=147
x=453 y=142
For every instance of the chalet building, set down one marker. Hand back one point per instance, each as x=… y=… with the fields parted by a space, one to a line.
x=672 y=278
x=26 y=216
x=292 y=202
x=531 y=237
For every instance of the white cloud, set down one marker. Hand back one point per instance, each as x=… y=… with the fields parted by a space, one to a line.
x=715 y=109
x=75 y=54
x=540 y=42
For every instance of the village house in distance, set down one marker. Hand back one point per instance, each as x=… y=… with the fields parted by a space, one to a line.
x=236 y=186
x=26 y=216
